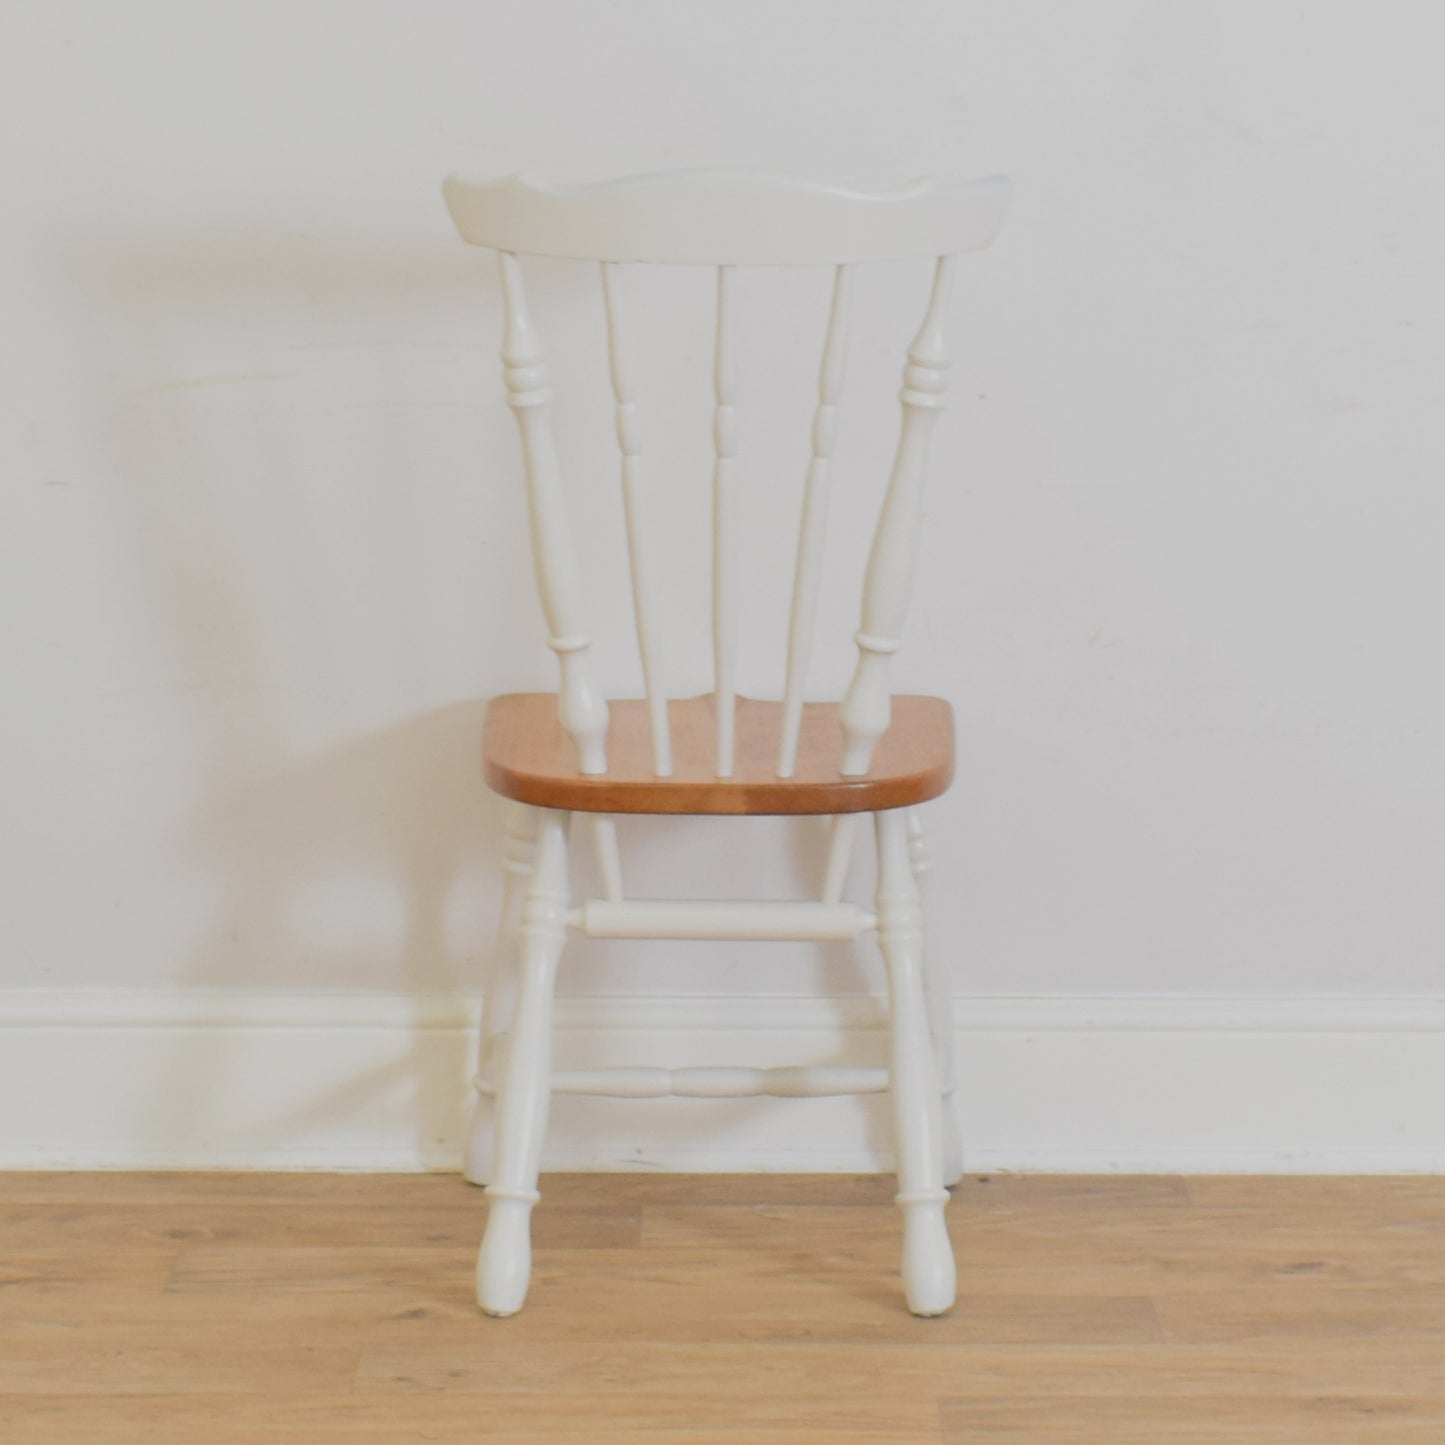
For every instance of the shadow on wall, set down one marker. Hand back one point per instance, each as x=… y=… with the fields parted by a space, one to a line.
x=282 y=602
x=295 y=499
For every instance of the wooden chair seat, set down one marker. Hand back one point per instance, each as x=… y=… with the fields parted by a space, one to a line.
x=528 y=757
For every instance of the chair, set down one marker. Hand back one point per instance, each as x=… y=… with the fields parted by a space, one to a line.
x=572 y=752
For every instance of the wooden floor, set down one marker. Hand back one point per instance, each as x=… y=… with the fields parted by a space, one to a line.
x=217 y=1309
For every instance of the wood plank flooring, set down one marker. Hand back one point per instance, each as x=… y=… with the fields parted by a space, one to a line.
x=755 y=1310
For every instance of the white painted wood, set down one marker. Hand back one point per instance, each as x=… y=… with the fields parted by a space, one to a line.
x=609 y=856
x=723 y=1082
x=809 y=570
x=629 y=440
x=918 y=854
x=504 y=1264
x=579 y=221
x=929 y=1276
x=726 y=218
x=127 y=1079
x=580 y=704
x=781 y=920
x=724 y=530
x=500 y=983
x=888 y=585
x=938 y=992
x=841 y=837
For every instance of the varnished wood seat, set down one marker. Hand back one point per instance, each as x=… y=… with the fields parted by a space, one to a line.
x=527 y=756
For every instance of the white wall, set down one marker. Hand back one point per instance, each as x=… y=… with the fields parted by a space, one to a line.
x=261 y=504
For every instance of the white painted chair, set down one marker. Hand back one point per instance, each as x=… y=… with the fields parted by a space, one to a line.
x=555 y=754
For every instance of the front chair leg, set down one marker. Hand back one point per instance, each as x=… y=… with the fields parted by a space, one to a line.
x=929 y=1277
x=504 y=1266
x=499 y=990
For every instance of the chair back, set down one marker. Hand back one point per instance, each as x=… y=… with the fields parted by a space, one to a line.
x=726 y=219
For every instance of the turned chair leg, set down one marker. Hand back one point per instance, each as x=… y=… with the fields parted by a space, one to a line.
x=504 y=1266
x=929 y=1277
x=938 y=990
x=499 y=988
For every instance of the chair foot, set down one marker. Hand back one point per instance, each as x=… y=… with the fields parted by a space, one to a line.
x=504 y=1265
x=930 y=1279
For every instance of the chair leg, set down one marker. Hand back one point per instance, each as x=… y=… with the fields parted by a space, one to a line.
x=524 y=1083
x=938 y=989
x=499 y=990
x=929 y=1276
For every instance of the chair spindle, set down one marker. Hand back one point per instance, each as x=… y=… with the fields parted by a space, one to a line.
x=867 y=708
x=724 y=529
x=629 y=440
x=581 y=706
x=808 y=570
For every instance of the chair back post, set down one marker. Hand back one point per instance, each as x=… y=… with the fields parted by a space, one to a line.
x=888 y=584
x=580 y=703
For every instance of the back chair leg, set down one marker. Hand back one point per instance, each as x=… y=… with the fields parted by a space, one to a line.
x=938 y=988
x=504 y=1266
x=929 y=1276
x=499 y=990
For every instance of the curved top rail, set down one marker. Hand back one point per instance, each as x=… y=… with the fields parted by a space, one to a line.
x=723 y=218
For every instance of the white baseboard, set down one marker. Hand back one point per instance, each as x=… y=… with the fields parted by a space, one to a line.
x=370 y=1081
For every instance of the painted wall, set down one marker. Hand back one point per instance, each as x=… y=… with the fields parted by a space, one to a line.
x=262 y=515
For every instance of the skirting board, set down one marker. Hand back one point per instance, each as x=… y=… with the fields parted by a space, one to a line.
x=374 y=1081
